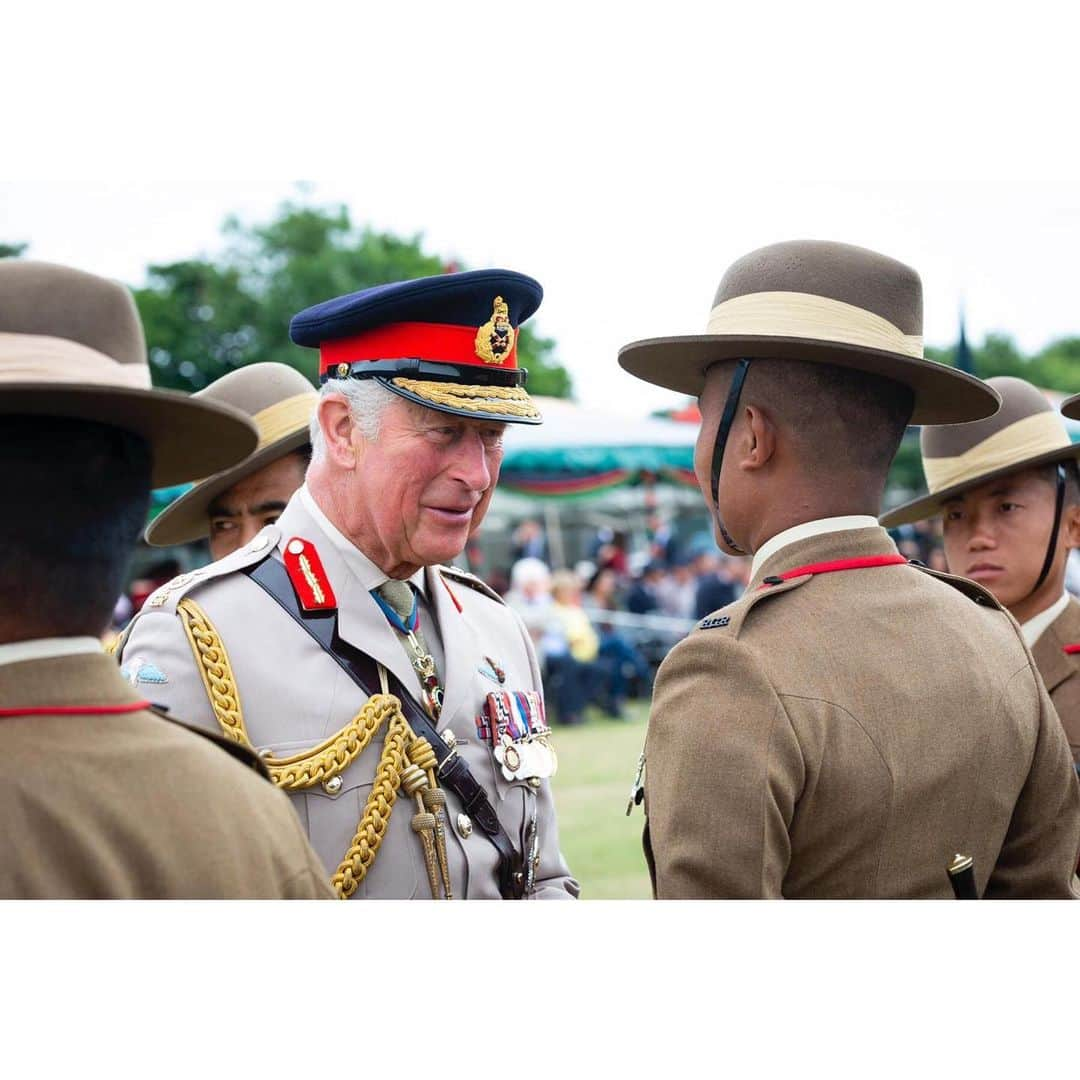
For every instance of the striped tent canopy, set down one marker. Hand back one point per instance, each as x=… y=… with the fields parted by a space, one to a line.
x=580 y=452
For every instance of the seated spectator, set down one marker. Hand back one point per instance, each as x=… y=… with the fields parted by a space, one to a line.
x=677 y=592
x=620 y=661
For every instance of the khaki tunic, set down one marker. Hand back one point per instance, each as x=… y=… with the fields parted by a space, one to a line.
x=131 y=805
x=1060 y=671
x=844 y=735
x=293 y=696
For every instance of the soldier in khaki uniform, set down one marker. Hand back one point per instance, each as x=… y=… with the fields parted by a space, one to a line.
x=1006 y=489
x=101 y=797
x=853 y=722
x=291 y=644
x=230 y=508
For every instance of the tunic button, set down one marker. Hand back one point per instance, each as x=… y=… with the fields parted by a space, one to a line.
x=534 y=781
x=464 y=826
x=332 y=786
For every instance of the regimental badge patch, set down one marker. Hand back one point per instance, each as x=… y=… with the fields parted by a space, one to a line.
x=495 y=339
x=139 y=670
x=308 y=577
x=714 y=621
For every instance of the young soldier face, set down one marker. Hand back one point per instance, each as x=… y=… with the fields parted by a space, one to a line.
x=997 y=534
x=237 y=515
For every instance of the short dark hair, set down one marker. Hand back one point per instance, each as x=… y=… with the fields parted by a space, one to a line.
x=74 y=495
x=842 y=420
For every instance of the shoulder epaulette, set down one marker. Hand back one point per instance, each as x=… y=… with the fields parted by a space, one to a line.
x=233 y=749
x=971 y=589
x=167 y=596
x=732 y=617
x=463 y=577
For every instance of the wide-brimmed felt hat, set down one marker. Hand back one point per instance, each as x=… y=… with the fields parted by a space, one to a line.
x=822 y=302
x=280 y=403
x=1027 y=432
x=72 y=346
x=446 y=342
x=1070 y=407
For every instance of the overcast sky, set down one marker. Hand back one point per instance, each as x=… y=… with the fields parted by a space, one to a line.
x=623 y=162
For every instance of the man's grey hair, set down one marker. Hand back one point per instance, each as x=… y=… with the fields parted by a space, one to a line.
x=367 y=399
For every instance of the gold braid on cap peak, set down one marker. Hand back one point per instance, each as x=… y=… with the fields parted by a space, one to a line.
x=329 y=758
x=508 y=400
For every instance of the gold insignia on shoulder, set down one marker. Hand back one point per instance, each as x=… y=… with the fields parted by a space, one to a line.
x=495 y=339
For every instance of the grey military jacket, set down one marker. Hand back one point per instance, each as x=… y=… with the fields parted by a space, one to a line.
x=293 y=696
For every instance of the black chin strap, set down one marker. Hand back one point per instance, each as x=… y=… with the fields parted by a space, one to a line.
x=727 y=419
x=1051 y=548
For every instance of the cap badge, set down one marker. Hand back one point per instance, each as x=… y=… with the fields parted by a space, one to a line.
x=495 y=339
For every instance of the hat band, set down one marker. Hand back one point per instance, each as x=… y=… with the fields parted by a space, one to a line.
x=284 y=418
x=428 y=341
x=1041 y=433
x=818 y=318
x=482 y=400
x=38 y=358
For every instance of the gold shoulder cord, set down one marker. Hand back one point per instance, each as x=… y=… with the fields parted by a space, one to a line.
x=406 y=761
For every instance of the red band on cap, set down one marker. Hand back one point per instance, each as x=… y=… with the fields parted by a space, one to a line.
x=424 y=341
x=838 y=564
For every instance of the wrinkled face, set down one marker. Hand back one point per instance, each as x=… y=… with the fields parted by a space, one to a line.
x=423 y=486
x=997 y=534
x=237 y=515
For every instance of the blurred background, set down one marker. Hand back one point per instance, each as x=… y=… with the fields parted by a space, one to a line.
x=597 y=534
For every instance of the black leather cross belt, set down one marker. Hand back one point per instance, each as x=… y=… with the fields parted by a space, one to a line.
x=453 y=773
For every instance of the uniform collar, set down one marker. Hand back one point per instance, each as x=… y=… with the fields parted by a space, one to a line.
x=45 y=648
x=71 y=679
x=365 y=571
x=807 y=530
x=1037 y=625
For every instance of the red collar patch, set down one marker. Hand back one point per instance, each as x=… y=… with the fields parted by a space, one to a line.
x=307 y=575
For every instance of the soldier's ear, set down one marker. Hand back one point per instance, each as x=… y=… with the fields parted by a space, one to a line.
x=758 y=445
x=335 y=420
x=1070 y=526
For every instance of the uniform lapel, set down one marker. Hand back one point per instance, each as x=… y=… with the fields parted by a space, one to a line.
x=1054 y=664
x=459 y=647
x=360 y=621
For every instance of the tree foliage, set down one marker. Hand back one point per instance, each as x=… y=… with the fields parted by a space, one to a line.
x=204 y=317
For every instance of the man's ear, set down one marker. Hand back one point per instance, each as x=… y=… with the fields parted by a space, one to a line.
x=1070 y=526
x=335 y=420
x=758 y=445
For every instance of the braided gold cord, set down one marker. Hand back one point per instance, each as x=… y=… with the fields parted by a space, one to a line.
x=512 y=400
x=372 y=828
x=329 y=758
x=215 y=669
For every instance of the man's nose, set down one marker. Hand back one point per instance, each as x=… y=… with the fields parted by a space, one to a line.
x=981 y=537
x=250 y=527
x=471 y=465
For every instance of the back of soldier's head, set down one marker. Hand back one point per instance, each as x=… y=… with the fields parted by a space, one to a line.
x=74 y=497
x=844 y=425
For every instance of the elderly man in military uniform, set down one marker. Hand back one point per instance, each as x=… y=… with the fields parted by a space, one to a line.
x=853 y=726
x=230 y=508
x=100 y=796
x=397 y=700
x=1007 y=493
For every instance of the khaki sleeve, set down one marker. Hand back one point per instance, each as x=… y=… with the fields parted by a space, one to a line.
x=723 y=772
x=1039 y=857
x=158 y=655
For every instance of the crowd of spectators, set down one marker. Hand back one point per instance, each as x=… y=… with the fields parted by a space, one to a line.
x=602 y=628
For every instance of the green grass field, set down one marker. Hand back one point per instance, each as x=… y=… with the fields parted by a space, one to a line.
x=596 y=768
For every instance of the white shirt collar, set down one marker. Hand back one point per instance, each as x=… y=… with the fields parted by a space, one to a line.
x=367 y=573
x=1036 y=626
x=806 y=530
x=44 y=648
